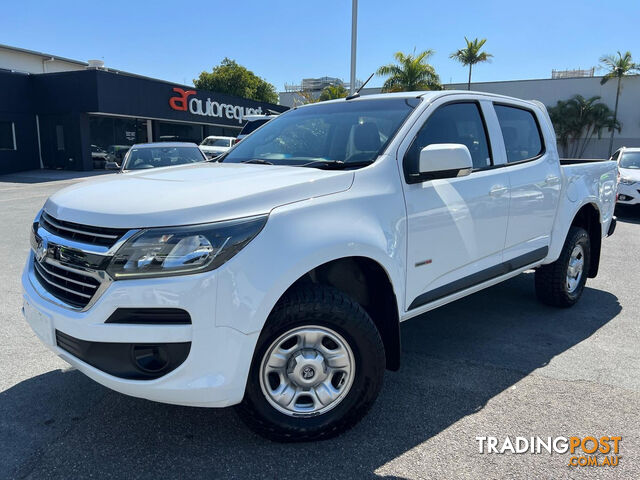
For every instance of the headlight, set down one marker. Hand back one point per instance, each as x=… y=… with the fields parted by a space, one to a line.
x=627 y=181
x=159 y=252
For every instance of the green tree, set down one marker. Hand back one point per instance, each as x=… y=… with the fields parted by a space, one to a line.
x=410 y=73
x=560 y=118
x=471 y=55
x=618 y=67
x=332 y=92
x=577 y=120
x=234 y=79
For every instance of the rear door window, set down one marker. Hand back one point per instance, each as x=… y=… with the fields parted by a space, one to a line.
x=521 y=133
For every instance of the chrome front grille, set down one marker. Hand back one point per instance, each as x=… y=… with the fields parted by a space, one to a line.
x=87 y=234
x=69 y=261
x=73 y=286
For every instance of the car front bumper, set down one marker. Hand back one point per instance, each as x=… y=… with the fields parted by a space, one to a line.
x=629 y=194
x=215 y=370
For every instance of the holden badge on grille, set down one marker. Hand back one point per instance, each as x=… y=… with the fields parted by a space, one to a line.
x=41 y=251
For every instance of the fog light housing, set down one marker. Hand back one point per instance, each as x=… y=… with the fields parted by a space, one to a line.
x=150 y=358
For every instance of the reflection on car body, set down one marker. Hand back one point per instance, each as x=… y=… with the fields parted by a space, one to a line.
x=153 y=155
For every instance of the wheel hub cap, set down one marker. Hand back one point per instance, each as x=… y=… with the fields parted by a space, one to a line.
x=575 y=268
x=307 y=368
x=307 y=371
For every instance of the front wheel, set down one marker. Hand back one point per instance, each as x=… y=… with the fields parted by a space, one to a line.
x=560 y=284
x=317 y=368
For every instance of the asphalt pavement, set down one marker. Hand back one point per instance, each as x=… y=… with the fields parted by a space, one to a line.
x=496 y=363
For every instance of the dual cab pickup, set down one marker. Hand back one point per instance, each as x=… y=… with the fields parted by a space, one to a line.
x=276 y=279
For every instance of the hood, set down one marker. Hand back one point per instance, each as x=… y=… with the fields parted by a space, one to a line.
x=632 y=173
x=206 y=192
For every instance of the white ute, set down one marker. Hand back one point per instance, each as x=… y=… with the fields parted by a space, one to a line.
x=214 y=146
x=276 y=279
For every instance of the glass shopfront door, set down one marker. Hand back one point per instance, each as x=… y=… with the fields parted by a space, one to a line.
x=111 y=138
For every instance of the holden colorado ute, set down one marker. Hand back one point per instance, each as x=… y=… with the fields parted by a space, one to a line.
x=276 y=279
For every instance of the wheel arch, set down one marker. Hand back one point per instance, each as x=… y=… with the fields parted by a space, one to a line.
x=369 y=284
x=588 y=217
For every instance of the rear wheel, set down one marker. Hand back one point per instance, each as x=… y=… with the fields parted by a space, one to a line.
x=561 y=283
x=317 y=369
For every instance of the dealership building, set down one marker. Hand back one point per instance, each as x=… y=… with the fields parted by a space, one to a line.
x=59 y=113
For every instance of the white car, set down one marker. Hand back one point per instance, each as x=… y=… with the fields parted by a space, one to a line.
x=628 y=175
x=215 y=146
x=276 y=280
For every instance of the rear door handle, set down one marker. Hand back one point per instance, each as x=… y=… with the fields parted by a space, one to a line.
x=498 y=190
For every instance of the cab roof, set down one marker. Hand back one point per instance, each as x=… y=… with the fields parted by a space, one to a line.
x=428 y=95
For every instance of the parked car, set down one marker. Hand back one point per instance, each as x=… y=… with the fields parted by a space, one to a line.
x=628 y=175
x=144 y=156
x=99 y=157
x=253 y=123
x=277 y=278
x=215 y=146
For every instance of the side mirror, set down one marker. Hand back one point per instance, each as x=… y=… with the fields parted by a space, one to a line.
x=444 y=160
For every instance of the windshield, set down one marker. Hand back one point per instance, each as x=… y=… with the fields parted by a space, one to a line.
x=253 y=125
x=152 y=157
x=353 y=132
x=216 y=142
x=630 y=160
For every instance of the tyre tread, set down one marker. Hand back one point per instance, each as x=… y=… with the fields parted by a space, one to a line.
x=549 y=279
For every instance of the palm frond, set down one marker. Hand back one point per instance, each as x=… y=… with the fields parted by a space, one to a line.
x=409 y=73
x=471 y=54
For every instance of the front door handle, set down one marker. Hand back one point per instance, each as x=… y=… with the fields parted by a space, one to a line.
x=498 y=190
x=551 y=180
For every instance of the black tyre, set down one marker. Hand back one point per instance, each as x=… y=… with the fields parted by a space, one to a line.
x=561 y=283
x=317 y=368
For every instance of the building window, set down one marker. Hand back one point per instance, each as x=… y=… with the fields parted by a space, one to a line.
x=111 y=138
x=7 y=136
x=177 y=132
x=60 y=137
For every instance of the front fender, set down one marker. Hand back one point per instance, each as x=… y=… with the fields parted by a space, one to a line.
x=301 y=236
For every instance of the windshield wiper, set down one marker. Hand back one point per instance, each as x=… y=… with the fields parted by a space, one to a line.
x=259 y=161
x=335 y=164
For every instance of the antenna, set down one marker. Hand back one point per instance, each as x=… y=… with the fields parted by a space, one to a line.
x=356 y=94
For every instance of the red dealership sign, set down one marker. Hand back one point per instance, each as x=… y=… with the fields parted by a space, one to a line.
x=180 y=102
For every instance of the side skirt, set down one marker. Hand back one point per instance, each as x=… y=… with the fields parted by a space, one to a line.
x=516 y=265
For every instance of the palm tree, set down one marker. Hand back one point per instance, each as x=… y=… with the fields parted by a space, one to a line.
x=562 y=124
x=577 y=120
x=471 y=55
x=618 y=67
x=410 y=73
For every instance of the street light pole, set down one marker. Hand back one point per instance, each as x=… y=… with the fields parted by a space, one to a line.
x=354 y=37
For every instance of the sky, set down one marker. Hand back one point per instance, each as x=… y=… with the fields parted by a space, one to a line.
x=285 y=41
